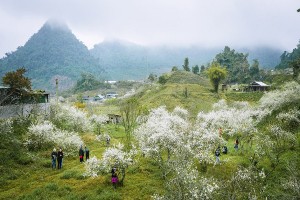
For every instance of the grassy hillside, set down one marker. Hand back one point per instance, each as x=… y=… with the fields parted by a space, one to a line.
x=28 y=174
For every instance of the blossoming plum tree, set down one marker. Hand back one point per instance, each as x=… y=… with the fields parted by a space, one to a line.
x=45 y=134
x=69 y=118
x=97 y=121
x=163 y=135
x=112 y=157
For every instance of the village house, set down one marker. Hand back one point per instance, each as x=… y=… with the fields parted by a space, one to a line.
x=257 y=86
x=114 y=118
x=14 y=103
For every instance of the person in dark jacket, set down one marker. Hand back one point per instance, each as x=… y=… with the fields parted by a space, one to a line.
x=60 y=156
x=81 y=154
x=87 y=153
x=217 y=154
x=54 y=157
x=236 y=144
x=224 y=150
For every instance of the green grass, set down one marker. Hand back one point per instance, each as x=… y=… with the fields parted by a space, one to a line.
x=244 y=96
x=38 y=180
x=29 y=176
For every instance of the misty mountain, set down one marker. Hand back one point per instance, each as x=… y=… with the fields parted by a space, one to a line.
x=124 y=60
x=53 y=52
x=268 y=57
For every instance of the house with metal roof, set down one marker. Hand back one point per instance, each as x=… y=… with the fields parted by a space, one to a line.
x=258 y=86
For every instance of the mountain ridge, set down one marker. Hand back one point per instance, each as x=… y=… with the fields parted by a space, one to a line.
x=122 y=59
x=53 y=52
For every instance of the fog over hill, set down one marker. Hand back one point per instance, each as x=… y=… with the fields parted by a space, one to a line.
x=124 y=60
x=55 y=52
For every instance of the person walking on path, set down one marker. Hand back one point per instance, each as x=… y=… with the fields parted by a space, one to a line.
x=60 y=156
x=54 y=157
x=81 y=154
x=87 y=153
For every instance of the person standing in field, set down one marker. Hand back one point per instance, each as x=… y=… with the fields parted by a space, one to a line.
x=87 y=153
x=217 y=154
x=220 y=132
x=81 y=154
x=114 y=177
x=54 y=157
x=60 y=156
x=236 y=144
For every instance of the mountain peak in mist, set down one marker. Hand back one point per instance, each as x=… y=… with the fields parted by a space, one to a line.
x=54 y=51
x=56 y=24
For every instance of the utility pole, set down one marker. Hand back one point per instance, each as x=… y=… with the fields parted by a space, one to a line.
x=56 y=88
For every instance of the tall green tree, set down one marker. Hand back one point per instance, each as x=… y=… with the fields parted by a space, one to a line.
x=295 y=64
x=17 y=80
x=195 y=69
x=287 y=58
x=236 y=64
x=216 y=74
x=186 y=65
x=254 y=70
x=130 y=110
x=19 y=86
x=202 y=69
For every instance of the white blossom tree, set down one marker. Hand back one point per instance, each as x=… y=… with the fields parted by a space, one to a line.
x=239 y=119
x=187 y=184
x=69 y=118
x=112 y=157
x=244 y=183
x=163 y=136
x=45 y=135
x=97 y=121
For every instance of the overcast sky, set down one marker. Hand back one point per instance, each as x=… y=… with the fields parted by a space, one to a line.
x=210 y=23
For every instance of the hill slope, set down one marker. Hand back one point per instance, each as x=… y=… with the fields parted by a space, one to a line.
x=125 y=61
x=53 y=52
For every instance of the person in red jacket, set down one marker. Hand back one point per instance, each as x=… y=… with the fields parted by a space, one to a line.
x=81 y=154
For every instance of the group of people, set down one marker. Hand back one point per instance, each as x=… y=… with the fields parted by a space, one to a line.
x=225 y=150
x=86 y=151
x=57 y=156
